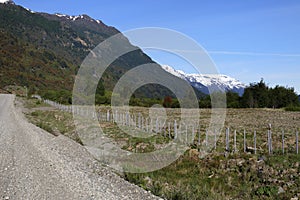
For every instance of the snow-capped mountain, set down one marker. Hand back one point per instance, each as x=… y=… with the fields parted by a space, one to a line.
x=207 y=83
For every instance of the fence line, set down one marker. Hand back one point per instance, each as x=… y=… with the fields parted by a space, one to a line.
x=177 y=131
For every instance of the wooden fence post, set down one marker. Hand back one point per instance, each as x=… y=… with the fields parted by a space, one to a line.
x=270 y=138
x=227 y=140
x=206 y=137
x=121 y=118
x=186 y=134
x=150 y=125
x=107 y=116
x=193 y=134
x=282 y=141
x=245 y=143
x=271 y=141
x=147 y=125
x=235 y=150
x=215 y=139
x=169 y=128
x=116 y=117
x=156 y=128
x=255 y=142
x=139 y=120
x=297 y=143
x=126 y=119
x=175 y=129
x=165 y=133
x=199 y=135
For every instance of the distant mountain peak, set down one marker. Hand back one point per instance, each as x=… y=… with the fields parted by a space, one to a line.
x=208 y=82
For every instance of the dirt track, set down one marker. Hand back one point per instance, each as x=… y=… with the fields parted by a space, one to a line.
x=37 y=165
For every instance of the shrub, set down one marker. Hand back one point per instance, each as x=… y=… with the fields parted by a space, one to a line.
x=45 y=126
x=292 y=108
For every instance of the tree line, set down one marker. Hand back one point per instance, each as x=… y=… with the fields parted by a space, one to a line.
x=256 y=95
x=259 y=95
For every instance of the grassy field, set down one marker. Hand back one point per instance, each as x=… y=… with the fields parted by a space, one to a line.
x=237 y=175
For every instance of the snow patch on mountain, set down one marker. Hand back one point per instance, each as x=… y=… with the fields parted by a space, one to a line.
x=70 y=17
x=75 y=17
x=29 y=10
x=60 y=15
x=209 y=82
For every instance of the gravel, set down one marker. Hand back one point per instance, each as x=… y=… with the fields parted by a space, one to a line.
x=37 y=165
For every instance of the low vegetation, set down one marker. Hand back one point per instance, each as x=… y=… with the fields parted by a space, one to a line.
x=51 y=120
x=234 y=176
x=292 y=108
x=238 y=176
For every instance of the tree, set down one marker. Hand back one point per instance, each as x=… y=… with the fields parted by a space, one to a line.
x=205 y=102
x=259 y=95
x=100 y=88
x=233 y=100
x=247 y=99
x=256 y=95
x=167 y=102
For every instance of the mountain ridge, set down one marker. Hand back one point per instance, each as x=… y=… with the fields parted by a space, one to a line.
x=44 y=51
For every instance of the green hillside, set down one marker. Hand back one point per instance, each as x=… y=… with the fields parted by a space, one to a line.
x=43 y=52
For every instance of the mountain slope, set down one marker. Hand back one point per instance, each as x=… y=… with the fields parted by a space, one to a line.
x=44 y=51
x=207 y=83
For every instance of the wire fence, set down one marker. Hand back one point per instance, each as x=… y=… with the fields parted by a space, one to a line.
x=228 y=140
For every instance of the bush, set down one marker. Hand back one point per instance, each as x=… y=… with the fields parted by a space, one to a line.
x=34 y=114
x=293 y=108
x=60 y=96
x=101 y=99
x=267 y=191
x=45 y=126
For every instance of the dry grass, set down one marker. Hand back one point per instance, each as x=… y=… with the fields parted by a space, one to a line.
x=249 y=119
x=236 y=176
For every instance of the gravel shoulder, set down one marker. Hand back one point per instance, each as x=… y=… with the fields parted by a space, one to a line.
x=37 y=165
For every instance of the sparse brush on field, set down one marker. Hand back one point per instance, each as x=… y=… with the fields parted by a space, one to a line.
x=51 y=120
x=44 y=125
x=217 y=177
x=237 y=175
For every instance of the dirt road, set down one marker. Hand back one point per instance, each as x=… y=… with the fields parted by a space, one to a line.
x=37 y=165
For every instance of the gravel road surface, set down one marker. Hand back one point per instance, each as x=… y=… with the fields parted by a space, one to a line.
x=37 y=165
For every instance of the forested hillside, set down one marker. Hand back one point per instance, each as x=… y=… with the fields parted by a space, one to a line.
x=43 y=52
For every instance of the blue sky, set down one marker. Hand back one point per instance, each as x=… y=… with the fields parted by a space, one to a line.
x=248 y=40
